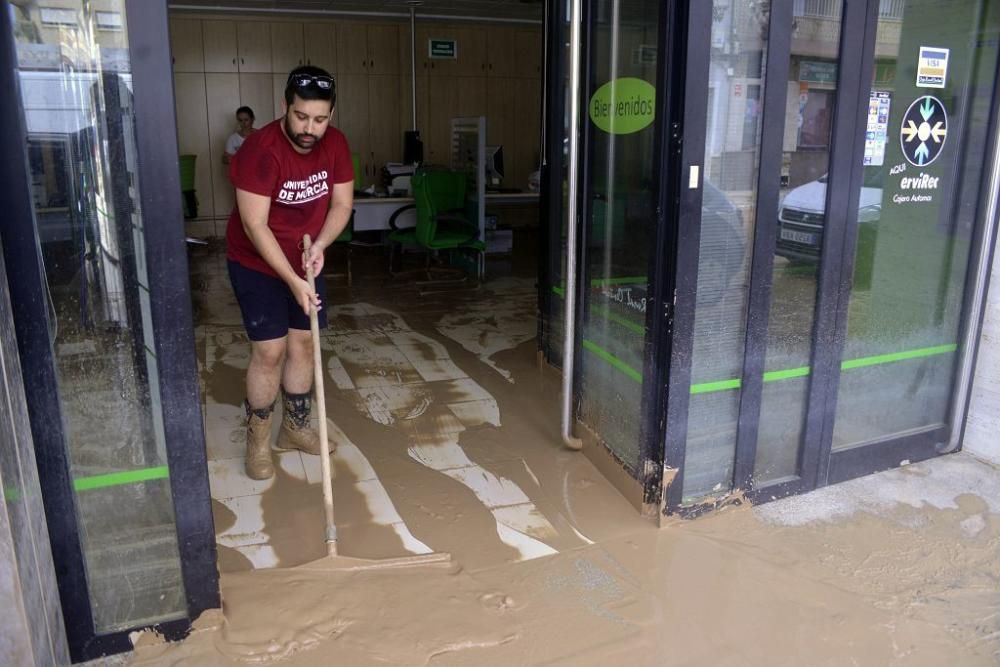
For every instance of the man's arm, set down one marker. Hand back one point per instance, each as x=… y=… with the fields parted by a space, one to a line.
x=337 y=217
x=254 y=210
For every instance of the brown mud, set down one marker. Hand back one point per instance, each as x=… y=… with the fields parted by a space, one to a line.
x=911 y=585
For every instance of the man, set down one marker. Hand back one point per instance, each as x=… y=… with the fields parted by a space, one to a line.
x=293 y=177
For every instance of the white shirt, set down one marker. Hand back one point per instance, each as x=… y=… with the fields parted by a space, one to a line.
x=233 y=143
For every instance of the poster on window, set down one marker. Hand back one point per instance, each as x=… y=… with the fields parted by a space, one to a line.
x=877 y=132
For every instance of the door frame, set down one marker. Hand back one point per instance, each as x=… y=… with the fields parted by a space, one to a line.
x=170 y=312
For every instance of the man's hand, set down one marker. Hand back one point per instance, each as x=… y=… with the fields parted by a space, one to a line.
x=314 y=257
x=304 y=296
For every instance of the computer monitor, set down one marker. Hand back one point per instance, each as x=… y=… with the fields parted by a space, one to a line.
x=494 y=165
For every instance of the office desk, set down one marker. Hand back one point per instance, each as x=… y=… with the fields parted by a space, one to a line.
x=372 y=213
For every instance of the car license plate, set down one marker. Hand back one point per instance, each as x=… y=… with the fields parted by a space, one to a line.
x=798 y=237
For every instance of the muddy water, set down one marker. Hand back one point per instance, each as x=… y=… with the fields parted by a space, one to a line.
x=914 y=585
x=729 y=589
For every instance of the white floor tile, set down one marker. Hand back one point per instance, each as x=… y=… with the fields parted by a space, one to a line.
x=438 y=369
x=492 y=490
x=249 y=526
x=477 y=413
x=262 y=556
x=227 y=478
x=291 y=463
x=338 y=373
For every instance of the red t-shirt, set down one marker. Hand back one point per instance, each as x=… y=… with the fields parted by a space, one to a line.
x=299 y=186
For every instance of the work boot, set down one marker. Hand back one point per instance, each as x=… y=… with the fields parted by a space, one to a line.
x=296 y=432
x=258 y=461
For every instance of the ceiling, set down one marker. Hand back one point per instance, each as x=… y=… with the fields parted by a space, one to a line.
x=528 y=10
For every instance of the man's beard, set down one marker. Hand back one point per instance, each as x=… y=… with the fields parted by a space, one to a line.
x=297 y=138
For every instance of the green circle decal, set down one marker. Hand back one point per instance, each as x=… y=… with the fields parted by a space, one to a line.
x=623 y=106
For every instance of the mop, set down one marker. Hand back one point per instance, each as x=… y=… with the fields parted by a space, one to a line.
x=333 y=560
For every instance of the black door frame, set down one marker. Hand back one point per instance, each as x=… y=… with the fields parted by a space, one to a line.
x=817 y=465
x=166 y=260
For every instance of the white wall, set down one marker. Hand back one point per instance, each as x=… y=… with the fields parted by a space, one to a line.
x=982 y=435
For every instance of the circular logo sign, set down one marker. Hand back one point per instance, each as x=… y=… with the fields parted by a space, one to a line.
x=924 y=130
x=623 y=106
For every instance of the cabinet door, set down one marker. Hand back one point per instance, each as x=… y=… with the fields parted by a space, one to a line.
x=220 y=46
x=254 y=39
x=353 y=119
x=502 y=128
x=286 y=47
x=320 y=40
x=385 y=135
x=256 y=92
x=528 y=59
x=352 y=48
x=471 y=51
x=500 y=46
x=383 y=49
x=192 y=134
x=442 y=106
x=185 y=46
x=527 y=147
x=279 y=81
x=223 y=94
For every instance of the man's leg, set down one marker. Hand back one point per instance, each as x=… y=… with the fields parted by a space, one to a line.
x=264 y=374
x=297 y=379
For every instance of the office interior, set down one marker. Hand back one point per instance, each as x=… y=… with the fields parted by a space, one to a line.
x=439 y=402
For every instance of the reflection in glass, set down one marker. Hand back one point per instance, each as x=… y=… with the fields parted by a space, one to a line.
x=75 y=86
x=736 y=79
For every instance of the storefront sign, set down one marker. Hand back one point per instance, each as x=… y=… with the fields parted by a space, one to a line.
x=877 y=132
x=932 y=67
x=923 y=131
x=623 y=106
x=812 y=71
x=442 y=48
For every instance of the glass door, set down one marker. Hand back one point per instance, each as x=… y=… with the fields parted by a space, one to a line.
x=907 y=254
x=821 y=341
x=95 y=255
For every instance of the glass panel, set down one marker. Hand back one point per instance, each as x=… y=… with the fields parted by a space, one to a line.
x=76 y=91
x=918 y=209
x=622 y=227
x=736 y=77
x=800 y=233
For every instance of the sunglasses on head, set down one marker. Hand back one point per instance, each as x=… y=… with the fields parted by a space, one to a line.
x=305 y=80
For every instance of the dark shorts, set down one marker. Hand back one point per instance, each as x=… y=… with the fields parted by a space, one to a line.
x=268 y=308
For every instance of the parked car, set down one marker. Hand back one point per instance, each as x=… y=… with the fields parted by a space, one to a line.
x=802 y=215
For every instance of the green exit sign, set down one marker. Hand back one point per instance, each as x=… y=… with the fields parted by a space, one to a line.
x=442 y=48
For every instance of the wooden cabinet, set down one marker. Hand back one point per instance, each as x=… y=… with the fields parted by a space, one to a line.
x=352 y=48
x=385 y=143
x=353 y=119
x=372 y=49
x=320 y=41
x=286 y=47
x=192 y=134
x=528 y=53
x=528 y=111
x=222 y=93
x=471 y=50
x=257 y=92
x=220 y=46
x=500 y=46
x=254 y=41
x=185 y=46
x=383 y=49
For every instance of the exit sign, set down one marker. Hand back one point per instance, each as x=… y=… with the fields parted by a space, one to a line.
x=442 y=48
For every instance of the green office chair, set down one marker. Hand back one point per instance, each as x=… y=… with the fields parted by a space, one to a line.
x=442 y=222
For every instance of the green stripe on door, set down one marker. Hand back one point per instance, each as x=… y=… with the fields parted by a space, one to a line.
x=120 y=478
